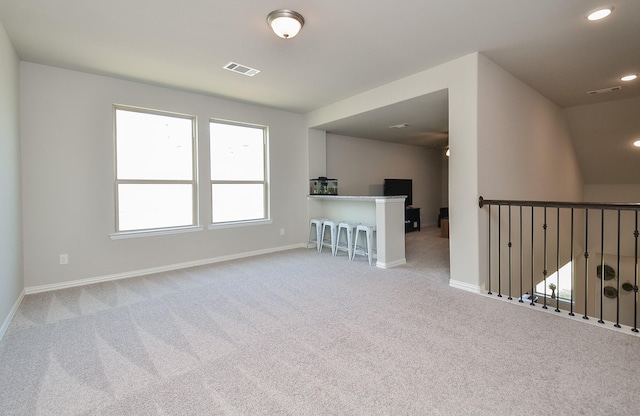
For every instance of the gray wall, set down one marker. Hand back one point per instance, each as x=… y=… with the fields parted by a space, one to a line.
x=525 y=152
x=11 y=281
x=361 y=166
x=68 y=174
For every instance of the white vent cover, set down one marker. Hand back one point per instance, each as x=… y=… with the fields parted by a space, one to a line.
x=604 y=90
x=241 y=69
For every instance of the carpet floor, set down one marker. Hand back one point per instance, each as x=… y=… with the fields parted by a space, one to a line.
x=304 y=333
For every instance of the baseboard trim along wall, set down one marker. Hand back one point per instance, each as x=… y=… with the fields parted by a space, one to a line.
x=391 y=264
x=136 y=273
x=466 y=286
x=12 y=312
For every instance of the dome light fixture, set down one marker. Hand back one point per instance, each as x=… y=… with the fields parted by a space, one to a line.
x=599 y=14
x=629 y=77
x=285 y=23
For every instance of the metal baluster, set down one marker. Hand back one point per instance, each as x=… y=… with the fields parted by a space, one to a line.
x=532 y=268
x=510 y=298
x=489 y=248
x=521 y=265
x=572 y=267
x=586 y=260
x=617 y=325
x=602 y=271
x=558 y=261
x=544 y=255
x=499 y=251
x=635 y=284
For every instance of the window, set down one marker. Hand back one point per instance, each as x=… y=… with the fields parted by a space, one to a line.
x=238 y=172
x=155 y=170
x=561 y=281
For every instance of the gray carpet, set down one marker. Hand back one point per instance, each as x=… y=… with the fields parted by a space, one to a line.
x=302 y=333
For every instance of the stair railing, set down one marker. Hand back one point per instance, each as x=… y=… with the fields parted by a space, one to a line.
x=574 y=237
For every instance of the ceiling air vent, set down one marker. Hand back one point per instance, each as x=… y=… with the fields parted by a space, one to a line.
x=241 y=69
x=604 y=90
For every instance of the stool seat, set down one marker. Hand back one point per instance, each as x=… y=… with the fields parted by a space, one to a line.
x=367 y=247
x=347 y=243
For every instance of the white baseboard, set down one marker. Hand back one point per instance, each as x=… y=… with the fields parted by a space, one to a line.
x=466 y=286
x=391 y=264
x=136 y=273
x=12 y=312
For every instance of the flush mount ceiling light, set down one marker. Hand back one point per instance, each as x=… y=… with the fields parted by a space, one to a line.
x=600 y=13
x=629 y=77
x=636 y=143
x=285 y=23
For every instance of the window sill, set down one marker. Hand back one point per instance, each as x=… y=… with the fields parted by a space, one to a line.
x=152 y=233
x=235 y=224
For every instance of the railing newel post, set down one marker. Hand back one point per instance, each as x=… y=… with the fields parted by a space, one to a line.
x=572 y=268
x=617 y=324
x=586 y=262
x=635 y=279
x=532 y=295
x=489 y=248
x=521 y=259
x=602 y=271
x=510 y=298
x=558 y=261
x=499 y=251
x=544 y=262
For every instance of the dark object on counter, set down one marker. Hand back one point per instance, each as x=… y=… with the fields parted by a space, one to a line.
x=323 y=186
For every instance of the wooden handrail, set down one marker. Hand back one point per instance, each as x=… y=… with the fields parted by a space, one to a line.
x=560 y=204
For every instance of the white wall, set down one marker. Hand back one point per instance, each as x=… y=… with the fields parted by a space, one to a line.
x=460 y=77
x=68 y=173
x=525 y=149
x=11 y=281
x=525 y=152
x=603 y=135
x=361 y=166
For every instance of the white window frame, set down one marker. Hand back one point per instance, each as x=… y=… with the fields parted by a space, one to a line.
x=265 y=181
x=194 y=226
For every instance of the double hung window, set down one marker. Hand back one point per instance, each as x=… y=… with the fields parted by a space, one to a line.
x=155 y=170
x=239 y=191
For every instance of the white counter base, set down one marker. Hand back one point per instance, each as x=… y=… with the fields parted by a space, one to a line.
x=385 y=212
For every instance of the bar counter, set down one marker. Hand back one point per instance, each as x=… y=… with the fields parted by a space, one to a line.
x=385 y=212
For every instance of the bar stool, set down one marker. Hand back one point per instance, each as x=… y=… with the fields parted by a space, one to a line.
x=317 y=224
x=331 y=242
x=366 y=249
x=347 y=244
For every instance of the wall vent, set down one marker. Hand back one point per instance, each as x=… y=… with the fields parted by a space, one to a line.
x=604 y=90
x=241 y=69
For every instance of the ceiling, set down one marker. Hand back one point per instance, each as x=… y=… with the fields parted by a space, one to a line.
x=345 y=48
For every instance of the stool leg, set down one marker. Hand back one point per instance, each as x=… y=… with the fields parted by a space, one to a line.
x=309 y=239
x=370 y=246
x=355 y=245
x=319 y=233
x=321 y=244
x=334 y=241
x=338 y=239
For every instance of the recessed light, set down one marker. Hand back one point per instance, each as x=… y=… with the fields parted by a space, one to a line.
x=600 y=13
x=636 y=143
x=629 y=77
